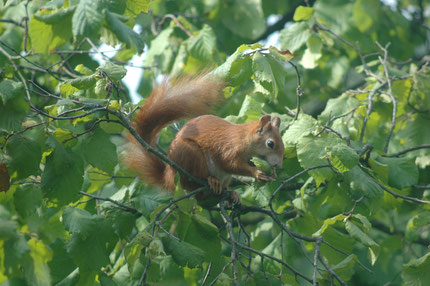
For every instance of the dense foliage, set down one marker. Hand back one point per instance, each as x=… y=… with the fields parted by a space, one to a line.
x=349 y=79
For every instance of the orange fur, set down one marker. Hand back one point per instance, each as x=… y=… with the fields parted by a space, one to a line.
x=185 y=97
x=208 y=147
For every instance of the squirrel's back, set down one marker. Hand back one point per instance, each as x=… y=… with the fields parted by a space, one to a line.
x=181 y=98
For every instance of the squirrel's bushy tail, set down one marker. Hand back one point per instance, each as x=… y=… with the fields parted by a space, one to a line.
x=185 y=97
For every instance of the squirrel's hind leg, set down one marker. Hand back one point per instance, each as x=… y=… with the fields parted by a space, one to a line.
x=191 y=159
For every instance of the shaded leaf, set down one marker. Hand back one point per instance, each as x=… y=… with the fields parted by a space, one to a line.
x=94 y=143
x=183 y=253
x=415 y=273
x=26 y=155
x=342 y=157
x=87 y=19
x=124 y=33
x=62 y=177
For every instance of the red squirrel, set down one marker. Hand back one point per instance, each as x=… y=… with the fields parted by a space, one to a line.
x=208 y=147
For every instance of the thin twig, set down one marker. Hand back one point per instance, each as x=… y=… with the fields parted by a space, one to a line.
x=355 y=47
x=398 y=154
x=12 y=22
x=229 y=226
x=124 y=207
x=262 y=254
x=396 y=195
x=222 y=271
x=330 y=270
x=178 y=24
x=208 y=271
x=370 y=108
x=390 y=93
x=316 y=254
x=299 y=90
x=26 y=18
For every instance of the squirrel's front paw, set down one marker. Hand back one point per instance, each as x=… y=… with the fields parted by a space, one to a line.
x=259 y=175
x=234 y=198
x=215 y=185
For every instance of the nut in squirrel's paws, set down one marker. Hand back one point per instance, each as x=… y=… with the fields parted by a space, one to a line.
x=215 y=185
x=234 y=198
x=259 y=175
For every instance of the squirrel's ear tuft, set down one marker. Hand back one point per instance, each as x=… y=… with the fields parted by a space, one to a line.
x=276 y=121
x=264 y=119
x=264 y=123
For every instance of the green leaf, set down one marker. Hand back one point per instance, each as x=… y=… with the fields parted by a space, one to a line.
x=366 y=223
x=13 y=106
x=183 y=253
x=133 y=250
x=61 y=264
x=237 y=68
x=50 y=30
x=41 y=255
x=295 y=36
x=92 y=238
x=27 y=199
x=244 y=18
x=339 y=105
x=8 y=228
x=282 y=56
x=267 y=74
x=62 y=177
x=200 y=232
x=160 y=52
x=180 y=61
x=135 y=7
x=365 y=14
x=380 y=169
x=362 y=183
x=250 y=109
x=146 y=200
x=416 y=131
x=312 y=53
x=203 y=45
x=301 y=127
x=124 y=33
x=402 y=172
x=303 y=13
x=41 y=35
x=114 y=72
x=415 y=273
x=123 y=224
x=261 y=193
x=26 y=155
x=54 y=16
x=345 y=269
x=71 y=86
x=342 y=157
x=96 y=141
x=311 y=152
x=106 y=280
x=416 y=225
x=358 y=234
x=78 y=221
x=327 y=223
x=262 y=165
x=87 y=19
x=16 y=252
x=402 y=91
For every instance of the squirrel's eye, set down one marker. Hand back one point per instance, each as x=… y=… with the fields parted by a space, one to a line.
x=270 y=143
